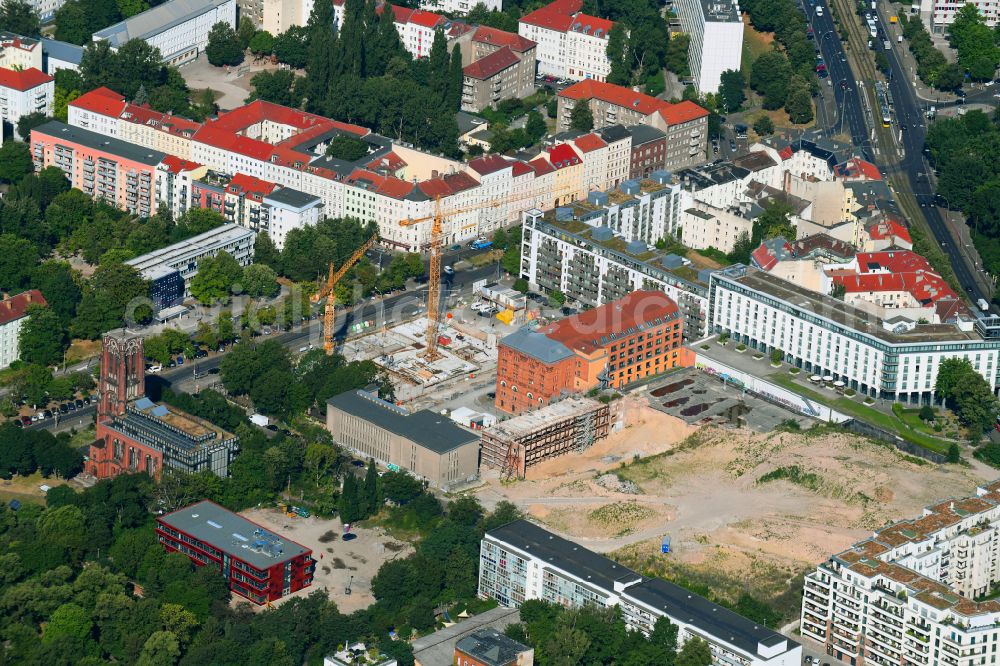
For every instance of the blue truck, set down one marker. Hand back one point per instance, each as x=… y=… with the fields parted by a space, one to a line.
x=480 y=244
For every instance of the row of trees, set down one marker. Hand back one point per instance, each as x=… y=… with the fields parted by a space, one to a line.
x=975 y=42
x=963 y=150
x=25 y=452
x=639 y=41
x=932 y=67
x=968 y=394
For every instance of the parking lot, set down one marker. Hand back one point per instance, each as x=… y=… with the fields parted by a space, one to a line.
x=701 y=399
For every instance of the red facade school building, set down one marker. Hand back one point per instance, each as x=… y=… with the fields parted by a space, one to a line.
x=257 y=563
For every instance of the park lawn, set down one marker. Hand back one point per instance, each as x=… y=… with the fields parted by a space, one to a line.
x=853 y=407
x=25 y=488
x=911 y=417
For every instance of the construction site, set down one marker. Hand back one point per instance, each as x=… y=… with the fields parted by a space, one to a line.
x=569 y=426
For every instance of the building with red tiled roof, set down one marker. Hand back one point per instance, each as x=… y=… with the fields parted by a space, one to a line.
x=613 y=345
x=685 y=125
x=571 y=44
x=25 y=92
x=416 y=27
x=885 y=232
x=13 y=314
x=501 y=65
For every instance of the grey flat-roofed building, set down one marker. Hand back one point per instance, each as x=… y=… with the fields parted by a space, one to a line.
x=439 y=647
x=521 y=561
x=184 y=257
x=179 y=28
x=58 y=55
x=424 y=443
x=491 y=648
x=129 y=151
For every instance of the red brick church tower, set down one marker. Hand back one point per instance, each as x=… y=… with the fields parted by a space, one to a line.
x=123 y=376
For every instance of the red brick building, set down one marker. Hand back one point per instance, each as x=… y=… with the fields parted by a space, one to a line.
x=134 y=434
x=258 y=564
x=611 y=346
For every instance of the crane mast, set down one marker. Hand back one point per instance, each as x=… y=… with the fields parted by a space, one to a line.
x=431 y=352
x=327 y=291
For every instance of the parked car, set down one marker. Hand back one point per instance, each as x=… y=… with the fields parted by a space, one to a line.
x=155 y=368
x=71 y=406
x=63 y=409
x=26 y=420
x=180 y=360
x=47 y=413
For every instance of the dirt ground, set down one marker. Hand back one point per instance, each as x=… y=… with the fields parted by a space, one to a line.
x=700 y=489
x=26 y=488
x=337 y=561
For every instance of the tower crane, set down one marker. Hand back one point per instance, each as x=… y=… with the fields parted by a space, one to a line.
x=327 y=291
x=431 y=352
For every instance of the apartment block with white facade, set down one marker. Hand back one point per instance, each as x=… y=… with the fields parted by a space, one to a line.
x=593 y=266
x=521 y=561
x=23 y=92
x=937 y=15
x=13 y=315
x=716 y=31
x=895 y=359
x=911 y=594
x=460 y=6
x=571 y=44
x=178 y=28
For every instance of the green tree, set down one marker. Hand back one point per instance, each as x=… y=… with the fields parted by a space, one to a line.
x=279 y=86
x=694 y=652
x=113 y=293
x=57 y=282
x=370 y=490
x=798 y=103
x=17 y=261
x=511 y=260
x=68 y=621
x=43 y=337
x=954 y=453
x=161 y=649
x=29 y=122
x=215 y=278
x=776 y=221
x=19 y=18
x=535 y=126
x=245 y=32
x=223 y=46
x=521 y=285
x=128 y=8
x=265 y=253
x=349 y=505
x=15 y=161
x=763 y=125
x=260 y=280
x=770 y=77
x=731 y=90
x=262 y=43
x=581 y=118
x=347 y=147
x=291 y=46
x=552 y=108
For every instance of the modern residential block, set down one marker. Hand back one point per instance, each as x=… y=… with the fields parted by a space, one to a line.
x=895 y=359
x=716 y=31
x=913 y=593
x=937 y=15
x=13 y=315
x=428 y=445
x=257 y=564
x=164 y=266
x=591 y=266
x=178 y=28
x=120 y=173
x=521 y=561
x=611 y=346
x=571 y=44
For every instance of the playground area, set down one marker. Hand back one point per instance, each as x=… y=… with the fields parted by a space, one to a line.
x=341 y=565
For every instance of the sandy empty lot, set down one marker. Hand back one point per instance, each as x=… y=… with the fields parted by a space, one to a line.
x=701 y=489
x=337 y=562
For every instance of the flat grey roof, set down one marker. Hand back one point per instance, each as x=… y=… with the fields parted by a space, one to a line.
x=195 y=246
x=439 y=647
x=490 y=647
x=232 y=533
x=425 y=428
x=290 y=197
x=85 y=137
x=720 y=11
x=537 y=345
x=673 y=600
x=644 y=134
x=156 y=20
x=837 y=311
x=714 y=620
x=572 y=558
x=53 y=48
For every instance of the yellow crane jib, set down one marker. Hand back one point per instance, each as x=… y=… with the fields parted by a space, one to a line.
x=326 y=291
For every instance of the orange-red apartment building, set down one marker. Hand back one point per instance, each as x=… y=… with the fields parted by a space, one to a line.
x=612 y=346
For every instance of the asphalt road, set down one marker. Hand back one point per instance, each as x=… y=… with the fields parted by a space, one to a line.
x=907 y=112
x=390 y=310
x=850 y=116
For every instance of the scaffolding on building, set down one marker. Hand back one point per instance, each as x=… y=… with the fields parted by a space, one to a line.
x=569 y=426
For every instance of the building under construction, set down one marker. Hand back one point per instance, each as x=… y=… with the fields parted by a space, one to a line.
x=564 y=427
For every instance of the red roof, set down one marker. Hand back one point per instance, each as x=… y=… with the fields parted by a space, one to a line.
x=164 y=122
x=563 y=156
x=584 y=331
x=24 y=79
x=520 y=168
x=176 y=165
x=786 y=153
x=589 y=143
x=541 y=166
x=859 y=169
x=489 y=164
x=591 y=25
x=395 y=188
x=889 y=229
x=250 y=186
x=426 y=19
x=894 y=271
x=103 y=101
x=492 y=64
x=555 y=16
x=516 y=42
x=16 y=307
x=390 y=161
x=762 y=257
x=435 y=187
x=627 y=98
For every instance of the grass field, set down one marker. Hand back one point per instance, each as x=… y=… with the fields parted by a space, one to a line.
x=862 y=412
x=25 y=488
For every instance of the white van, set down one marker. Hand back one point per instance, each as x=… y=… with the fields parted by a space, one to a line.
x=819 y=10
